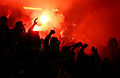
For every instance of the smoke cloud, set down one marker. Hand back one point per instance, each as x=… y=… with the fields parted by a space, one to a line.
x=93 y=21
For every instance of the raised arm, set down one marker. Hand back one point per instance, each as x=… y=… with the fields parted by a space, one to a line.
x=82 y=49
x=76 y=45
x=95 y=52
x=46 y=41
x=31 y=28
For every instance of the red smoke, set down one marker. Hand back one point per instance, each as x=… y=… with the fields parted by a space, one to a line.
x=89 y=21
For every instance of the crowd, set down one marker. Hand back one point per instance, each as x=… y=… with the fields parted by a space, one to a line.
x=26 y=55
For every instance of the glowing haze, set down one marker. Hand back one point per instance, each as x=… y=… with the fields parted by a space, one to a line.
x=90 y=21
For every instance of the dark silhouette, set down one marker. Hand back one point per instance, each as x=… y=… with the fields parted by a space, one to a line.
x=27 y=55
x=54 y=58
x=112 y=52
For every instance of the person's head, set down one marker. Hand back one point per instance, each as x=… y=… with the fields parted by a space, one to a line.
x=54 y=42
x=112 y=43
x=20 y=26
x=3 y=20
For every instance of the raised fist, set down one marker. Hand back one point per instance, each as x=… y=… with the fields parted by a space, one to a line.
x=85 y=45
x=52 y=32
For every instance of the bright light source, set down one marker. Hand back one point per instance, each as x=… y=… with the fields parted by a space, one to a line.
x=44 y=18
x=47 y=18
x=36 y=28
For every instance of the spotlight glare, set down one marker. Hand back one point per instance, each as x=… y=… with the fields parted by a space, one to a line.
x=44 y=18
x=36 y=28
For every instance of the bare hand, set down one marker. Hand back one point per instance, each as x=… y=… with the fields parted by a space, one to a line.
x=35 y=21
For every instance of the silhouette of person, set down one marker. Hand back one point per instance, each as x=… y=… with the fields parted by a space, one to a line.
x=3 y=24
x=4 y=31
x=33 y=38
x=53 y=55
x=20 y=34
x=112 y=52
x=4 y=46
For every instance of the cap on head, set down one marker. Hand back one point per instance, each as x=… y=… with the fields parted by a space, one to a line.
x=19 y=23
